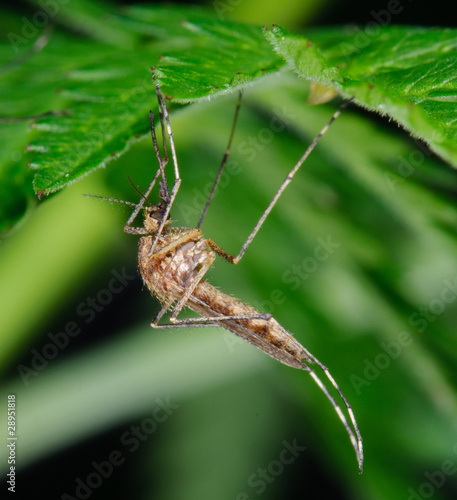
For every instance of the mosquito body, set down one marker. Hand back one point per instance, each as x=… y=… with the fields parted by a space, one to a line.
x=173 y=262
x=174 y=274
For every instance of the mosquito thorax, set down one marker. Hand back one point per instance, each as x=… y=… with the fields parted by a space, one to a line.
x=153 y=218
x=150 y=223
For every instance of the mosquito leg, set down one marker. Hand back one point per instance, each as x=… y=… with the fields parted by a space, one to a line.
x=161 y=160
x=140 y=205
x=218 y=319
x=218 y=250
x=188 y=234
x=172 y=326
x=356 y=439
x=163 y=310
x=139 y=231
x=165 y=124
x=223 y=163
x=212 y=321
x=177 y=183
x=286 y=182
x=209 y=320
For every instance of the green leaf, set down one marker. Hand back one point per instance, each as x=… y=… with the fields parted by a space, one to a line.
x=16 y=193
x=406 y=73
x=223 y=57
x=108 y=91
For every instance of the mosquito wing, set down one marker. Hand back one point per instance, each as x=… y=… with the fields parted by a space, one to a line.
x=241 y=327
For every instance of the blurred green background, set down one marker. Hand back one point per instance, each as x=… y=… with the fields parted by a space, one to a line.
x=192 y=414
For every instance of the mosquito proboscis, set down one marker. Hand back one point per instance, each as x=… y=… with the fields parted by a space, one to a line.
x=174 y=260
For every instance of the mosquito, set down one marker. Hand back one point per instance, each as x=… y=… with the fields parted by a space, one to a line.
x=174 y=260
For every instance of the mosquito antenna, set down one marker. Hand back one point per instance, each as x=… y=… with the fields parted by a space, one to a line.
x=138 y=191
x=287 y=180
x=223 y=163
x=115 y=200
x=356 y=439
x=144 y=196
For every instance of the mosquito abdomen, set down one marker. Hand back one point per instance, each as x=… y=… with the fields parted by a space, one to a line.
x=268 y=329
